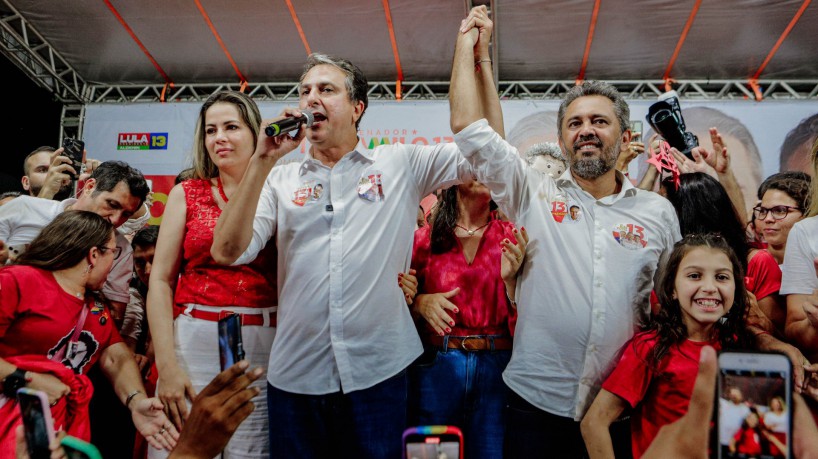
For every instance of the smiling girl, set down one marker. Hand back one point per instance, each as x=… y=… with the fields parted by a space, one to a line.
x=704 y=302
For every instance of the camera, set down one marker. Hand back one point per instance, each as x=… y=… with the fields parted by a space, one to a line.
x=665 y=116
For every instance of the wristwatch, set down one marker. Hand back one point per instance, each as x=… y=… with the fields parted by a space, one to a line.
x=14 y=381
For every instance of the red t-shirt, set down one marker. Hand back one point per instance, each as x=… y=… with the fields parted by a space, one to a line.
x=201 y=279
x=660 y=395
x=484 y=308
x=763 y=275
x=748 y=441
x=37 y=317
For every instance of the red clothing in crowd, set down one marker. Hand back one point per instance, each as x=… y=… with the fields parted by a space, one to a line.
x=748 y=441
x=484 y=307
x=659 y=395
x=37 y=317
x=202 y=280
x=763 y=275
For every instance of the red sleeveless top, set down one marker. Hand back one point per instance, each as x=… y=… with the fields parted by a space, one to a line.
x=202 y=280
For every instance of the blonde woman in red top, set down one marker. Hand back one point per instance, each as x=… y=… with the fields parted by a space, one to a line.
x=189 y=291
x=466 y=262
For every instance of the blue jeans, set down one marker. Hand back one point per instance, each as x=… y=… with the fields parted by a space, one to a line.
x=463 y=389
x=367 y=423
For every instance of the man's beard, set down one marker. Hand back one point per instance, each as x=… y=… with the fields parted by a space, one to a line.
x=593 y=167
x=64 y=192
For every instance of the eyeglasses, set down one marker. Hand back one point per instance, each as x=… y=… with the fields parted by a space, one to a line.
x=116 y=250
x=778 y=212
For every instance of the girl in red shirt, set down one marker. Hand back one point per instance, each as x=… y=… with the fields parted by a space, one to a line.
x=704 y=302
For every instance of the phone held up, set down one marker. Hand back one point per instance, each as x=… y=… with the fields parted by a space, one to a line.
x=432 y=442
x=754 y=406
x=37 y=422
x=75 y=150
x=231 y=348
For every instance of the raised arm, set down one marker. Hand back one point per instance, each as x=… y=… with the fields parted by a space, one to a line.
x=233 y=233
x=464 y=99
x=486 y=86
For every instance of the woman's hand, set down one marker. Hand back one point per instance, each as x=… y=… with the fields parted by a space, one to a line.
x=50 y=384
x=150 y=420
x=435 y=308
x=409 y=284
x=174 y=386
x=513 y=254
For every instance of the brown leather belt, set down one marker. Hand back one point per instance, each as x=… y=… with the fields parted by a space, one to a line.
x=474 y=342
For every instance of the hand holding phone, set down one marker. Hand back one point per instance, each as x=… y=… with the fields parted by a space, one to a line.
x=75 y=151
x=37 y=422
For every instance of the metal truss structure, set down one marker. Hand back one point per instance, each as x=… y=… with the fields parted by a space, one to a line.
x=24 y=46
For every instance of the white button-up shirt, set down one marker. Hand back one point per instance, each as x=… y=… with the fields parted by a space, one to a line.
x=585 y=284
x=343 y=323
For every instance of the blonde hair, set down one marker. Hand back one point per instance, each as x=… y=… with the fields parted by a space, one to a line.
x=203 y=166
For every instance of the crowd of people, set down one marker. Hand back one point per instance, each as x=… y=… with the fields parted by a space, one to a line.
x=547 y=305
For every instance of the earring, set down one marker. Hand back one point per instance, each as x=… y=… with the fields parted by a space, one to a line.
x=88 y=268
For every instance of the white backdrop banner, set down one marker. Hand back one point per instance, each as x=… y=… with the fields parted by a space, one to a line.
x=157 y=138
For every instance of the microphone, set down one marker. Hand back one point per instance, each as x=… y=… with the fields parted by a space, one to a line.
x=289 y=124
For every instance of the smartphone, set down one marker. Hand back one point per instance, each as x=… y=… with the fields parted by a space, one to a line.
x=432 y=442
x=75 y=151
x=231 y=348
x=77 y=449
x=636 y=131
x=754 y=405
x=37 y=422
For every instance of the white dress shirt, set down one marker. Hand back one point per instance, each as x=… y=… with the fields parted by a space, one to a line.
x=585 y=284
x=343 y=323
x=798 y=272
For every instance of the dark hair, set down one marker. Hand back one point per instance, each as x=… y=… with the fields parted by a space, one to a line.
x=668 y=323
x=66 y=240
x=596 y=88
x=203 y=166
x=805 y=132
x=795 y=184
x=43 y=149
x=444 y=221
x=146 y=237
x=110 y=173
x=356 y=85
x=186 y=174
x=703 y=206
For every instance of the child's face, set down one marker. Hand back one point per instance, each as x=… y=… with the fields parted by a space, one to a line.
x=705 y=288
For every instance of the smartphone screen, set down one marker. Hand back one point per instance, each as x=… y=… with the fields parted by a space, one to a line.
x=433 y=442
x=636 y=130
x=754 y=405
x=231 y=348
x=37 y=423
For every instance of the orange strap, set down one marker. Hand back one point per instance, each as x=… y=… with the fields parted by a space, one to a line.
x=221 y=43
x=298 y=26
x=588 y=41
x=140 y=44
x=682 y=38
x=391 y=27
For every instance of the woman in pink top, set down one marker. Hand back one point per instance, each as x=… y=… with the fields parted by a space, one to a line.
x=466 y=262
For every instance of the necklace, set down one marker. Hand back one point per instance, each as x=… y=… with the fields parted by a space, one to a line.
x=221 y=188
x=471 y=232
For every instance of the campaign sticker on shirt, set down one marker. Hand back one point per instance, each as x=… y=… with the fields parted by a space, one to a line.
x=308 y=192
x=630 y=236
x=370 y=186
x=566 y=210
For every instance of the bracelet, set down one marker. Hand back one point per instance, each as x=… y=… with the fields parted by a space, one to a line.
x=482 y=60
x=130 y=397
x=510 y=301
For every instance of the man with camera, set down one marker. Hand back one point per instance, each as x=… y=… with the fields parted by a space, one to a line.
x=115 y=191
x=585 y=283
